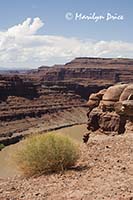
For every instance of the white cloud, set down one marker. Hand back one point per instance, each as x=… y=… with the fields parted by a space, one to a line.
x=20 y=46
x=26 y=28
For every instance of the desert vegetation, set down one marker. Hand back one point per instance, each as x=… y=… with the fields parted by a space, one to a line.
x=1 y=146
x=46 y=153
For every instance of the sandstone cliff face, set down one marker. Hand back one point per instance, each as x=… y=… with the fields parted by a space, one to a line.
x=57 y=96
x=83 y=69
x=113 y=113
x=16 y=86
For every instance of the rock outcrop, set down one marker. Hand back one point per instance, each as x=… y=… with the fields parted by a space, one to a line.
x=114 y=112
x=95 y=99
x=51 y=97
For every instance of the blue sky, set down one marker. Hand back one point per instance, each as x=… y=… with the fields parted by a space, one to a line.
x=99 y=35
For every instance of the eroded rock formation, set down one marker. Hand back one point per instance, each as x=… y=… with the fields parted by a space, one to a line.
x=113 y=113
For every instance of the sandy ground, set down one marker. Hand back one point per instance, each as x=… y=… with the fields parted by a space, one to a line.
x=104 y=171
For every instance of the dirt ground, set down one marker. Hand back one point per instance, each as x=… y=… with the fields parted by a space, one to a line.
x=104 y=172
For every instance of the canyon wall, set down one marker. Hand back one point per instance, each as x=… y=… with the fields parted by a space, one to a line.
x=83 y=69
x=51 y=97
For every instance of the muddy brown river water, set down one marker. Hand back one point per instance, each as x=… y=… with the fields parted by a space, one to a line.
x=7 y=165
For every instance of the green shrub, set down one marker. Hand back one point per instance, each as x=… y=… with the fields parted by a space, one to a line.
x=46 y=153
x=1 y=146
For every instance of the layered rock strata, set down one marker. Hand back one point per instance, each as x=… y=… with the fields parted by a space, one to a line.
x=56 y=96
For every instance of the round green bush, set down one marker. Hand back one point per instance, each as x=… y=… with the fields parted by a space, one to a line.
x=46 y=153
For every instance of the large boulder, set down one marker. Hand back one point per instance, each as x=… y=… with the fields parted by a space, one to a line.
x=125 y=108
x=125 y=104
x=111 y=96
x=114 y=111
x=95 y=99
x=127 y=93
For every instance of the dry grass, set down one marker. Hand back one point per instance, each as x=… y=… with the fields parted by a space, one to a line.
x=46 y=153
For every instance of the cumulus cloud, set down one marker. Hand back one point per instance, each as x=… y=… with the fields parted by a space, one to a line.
x=26 y=28
x=22 y=47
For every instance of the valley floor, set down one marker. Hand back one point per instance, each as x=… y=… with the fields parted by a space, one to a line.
x=104 y=171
